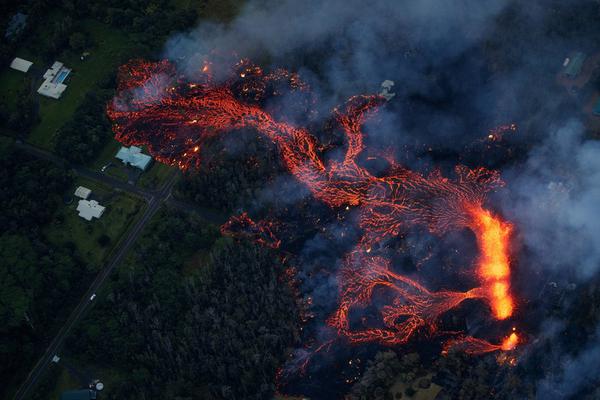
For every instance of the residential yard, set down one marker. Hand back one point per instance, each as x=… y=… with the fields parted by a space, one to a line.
x=12 y=83
x=110 y=47
x=68 y=227
x=64 y=381
x=155 y=176
x=430 y=393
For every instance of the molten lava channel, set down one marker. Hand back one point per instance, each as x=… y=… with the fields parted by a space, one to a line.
x=174 y=116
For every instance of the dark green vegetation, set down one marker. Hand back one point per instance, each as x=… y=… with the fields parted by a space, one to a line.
x=82 y=137
x=234 y=172
x=39 y=282
x=190 y=315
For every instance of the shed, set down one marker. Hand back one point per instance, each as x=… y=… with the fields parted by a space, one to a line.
x=575 y=64
x=21 y=64
x=596 y=109
x=83 y=192
x=16 y=26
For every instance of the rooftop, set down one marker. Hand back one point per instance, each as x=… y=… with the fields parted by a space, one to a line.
x=82 y=192
x=21 y=64
x=574 y=65
x=134 y=157
x=84 y=394
x=596 y=109
x=53 y=80
x=89 y=209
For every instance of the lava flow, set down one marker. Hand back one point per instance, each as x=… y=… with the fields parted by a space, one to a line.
x=174 y=116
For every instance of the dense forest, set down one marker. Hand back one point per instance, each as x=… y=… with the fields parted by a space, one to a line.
x=85 y=135
x=191 y=315
x=236 y=169
x=38 y=282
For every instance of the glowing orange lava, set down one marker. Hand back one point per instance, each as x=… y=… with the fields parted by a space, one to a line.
x=493 y=236
x=174 y=117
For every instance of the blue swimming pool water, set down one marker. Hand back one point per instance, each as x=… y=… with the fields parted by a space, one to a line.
x=62 y=76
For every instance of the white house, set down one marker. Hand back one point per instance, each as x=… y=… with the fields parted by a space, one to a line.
x=134 y=157
x=386 y=90
x=21 y=64
x=82 y=192
x=54 y=77
x=89 y=209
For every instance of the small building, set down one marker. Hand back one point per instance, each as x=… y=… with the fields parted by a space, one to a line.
x=82 y=192
x=89 y=209
x=596 y=109
x=21 y=64
x=572 y=66
x=386 y=90
x=133 y=156
x=54 y=77
x=83 y=394
x=16 y=26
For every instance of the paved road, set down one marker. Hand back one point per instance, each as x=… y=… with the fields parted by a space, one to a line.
x=154 y=200
x=86 y=172
x=85 y=303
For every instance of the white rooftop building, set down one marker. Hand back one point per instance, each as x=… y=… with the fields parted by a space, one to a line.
x=386 y=90
x=54 y=77
x=134 y=157
x=82 y=192
x=89 y=209
x=21 y=64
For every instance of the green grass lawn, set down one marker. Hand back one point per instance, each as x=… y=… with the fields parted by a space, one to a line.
x=111 y=46
x=64 y=382
x=155 y=176
x=67 y=226
x=12 y=82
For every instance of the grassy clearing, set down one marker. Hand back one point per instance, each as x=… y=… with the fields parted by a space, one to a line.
x=429 y=393
x=64 y=382
x=12 y=83
x=68 y=227
x=107 y=155
x=155 y=176
x=110 y=47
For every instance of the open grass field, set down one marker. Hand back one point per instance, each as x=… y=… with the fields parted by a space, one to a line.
x=110 y=47
x=121 y=210
x=12 y=83
x=155 y=176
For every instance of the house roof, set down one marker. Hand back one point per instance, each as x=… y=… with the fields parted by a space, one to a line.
x=82 y=192
x=84 y=394
x=53 y=86
x=134 y=157
x=21 y=64
x=89 y=209
x=16 y=25
x=596 y=110
x=574 y=66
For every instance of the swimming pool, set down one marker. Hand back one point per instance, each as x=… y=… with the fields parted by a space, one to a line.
x=62 y=75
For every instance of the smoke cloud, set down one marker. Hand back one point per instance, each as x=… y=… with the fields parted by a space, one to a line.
x=448 y=93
